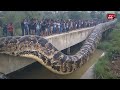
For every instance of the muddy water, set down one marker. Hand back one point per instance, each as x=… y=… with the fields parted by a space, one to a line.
x=37 y=71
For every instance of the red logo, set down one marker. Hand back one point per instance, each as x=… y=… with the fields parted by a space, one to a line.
x=111 y=16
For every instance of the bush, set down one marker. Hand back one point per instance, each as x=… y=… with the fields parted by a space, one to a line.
x=111 y=46
x=102 y=70
x=105 y=46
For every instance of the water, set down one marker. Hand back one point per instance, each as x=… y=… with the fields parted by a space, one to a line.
x=37 y=71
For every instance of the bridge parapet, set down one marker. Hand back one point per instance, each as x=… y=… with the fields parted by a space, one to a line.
x=65 y=40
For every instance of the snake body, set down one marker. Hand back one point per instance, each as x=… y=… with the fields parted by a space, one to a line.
x=41 y=50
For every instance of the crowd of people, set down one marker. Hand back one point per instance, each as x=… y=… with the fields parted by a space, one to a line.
x=46 y=27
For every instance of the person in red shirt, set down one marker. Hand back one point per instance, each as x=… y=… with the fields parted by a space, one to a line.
x=10 y=29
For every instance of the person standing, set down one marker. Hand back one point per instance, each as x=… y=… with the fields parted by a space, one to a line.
x=10 y=29
x=23 y=27
x=54 y=27
x=64 y=26
x=61 y=27
x=51 y=27
x=37 y=28
x=26 y=27
x=67 y=26
x=43 y=28
x=58 y=27
x=5 y=30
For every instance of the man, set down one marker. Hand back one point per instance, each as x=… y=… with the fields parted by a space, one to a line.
x=58 y=28
x=26 y=27
x=54 y=27
x=5 y=30
x=22 y=27
x=33 y=27
x=51 y=27
x=37 y=28
x=61 y=27
x=10 y=29
x=67 y=26
x=43 y=28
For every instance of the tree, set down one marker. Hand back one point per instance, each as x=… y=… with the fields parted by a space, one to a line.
x=74 y=15
x=93 y=14
x=84 y=15
x=117 y=15
x=101 y=15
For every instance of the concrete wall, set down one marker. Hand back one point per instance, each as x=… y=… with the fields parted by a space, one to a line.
x=9 y=64
x=65 y=40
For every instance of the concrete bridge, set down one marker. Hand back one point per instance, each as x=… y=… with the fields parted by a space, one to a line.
x=62 y=41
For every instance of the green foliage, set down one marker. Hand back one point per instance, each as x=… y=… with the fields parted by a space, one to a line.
x=93 y=14
x=101 y=16
x=104 y=46
x=113 y=41
x=118 y=15
x=85 y=16
x=102 y=69
x=98 y=14
x=74 y=15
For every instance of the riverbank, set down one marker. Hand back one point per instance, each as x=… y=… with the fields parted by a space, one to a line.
x=89 y=74
x=108 y=67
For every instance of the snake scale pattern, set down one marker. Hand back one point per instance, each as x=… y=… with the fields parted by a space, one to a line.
x=41 y=50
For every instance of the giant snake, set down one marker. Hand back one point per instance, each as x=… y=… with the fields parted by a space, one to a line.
x=39 y=49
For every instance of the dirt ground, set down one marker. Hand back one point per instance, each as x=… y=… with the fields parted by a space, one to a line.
x=115 y=67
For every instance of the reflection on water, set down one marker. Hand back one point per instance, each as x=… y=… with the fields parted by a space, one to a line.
x=37 y=71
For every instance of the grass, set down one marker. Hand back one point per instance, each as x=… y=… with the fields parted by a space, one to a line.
x=104 y=45
x=102 y=67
